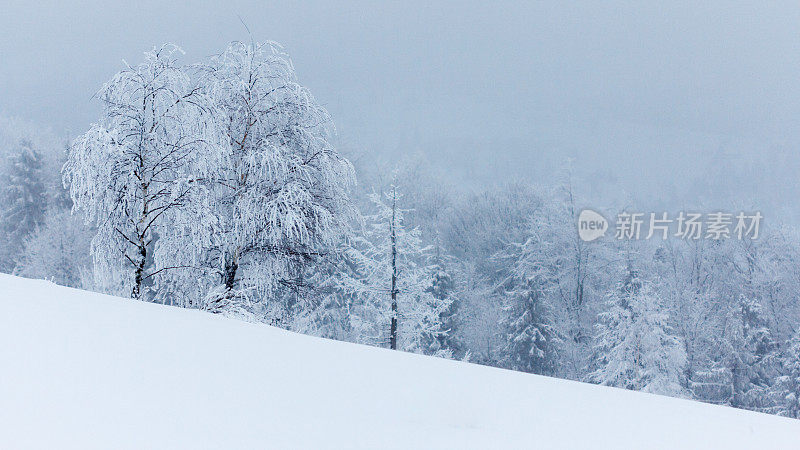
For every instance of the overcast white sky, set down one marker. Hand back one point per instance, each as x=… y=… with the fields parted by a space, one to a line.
x=634 y=90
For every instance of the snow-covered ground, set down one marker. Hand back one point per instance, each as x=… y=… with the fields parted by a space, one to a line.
x=84 y=370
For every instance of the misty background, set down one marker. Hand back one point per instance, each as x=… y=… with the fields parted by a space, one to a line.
x=672 y=106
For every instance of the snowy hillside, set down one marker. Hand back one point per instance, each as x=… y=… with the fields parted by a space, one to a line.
x=83 y=370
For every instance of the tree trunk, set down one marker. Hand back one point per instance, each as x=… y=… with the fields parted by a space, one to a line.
x=139 y=273
x=393 y=327
x=231 y=267
x=141 y=228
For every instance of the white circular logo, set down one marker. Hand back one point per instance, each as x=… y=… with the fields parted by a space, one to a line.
x=591 y=225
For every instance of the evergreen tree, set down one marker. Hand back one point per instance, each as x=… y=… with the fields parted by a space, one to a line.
x=23 y=199
x=787 y=386
x=750 y=357
x=549 y=290
x=530 y=341
x=397 y=299
x=58 y=250
x=442 y=289
x=636 y=348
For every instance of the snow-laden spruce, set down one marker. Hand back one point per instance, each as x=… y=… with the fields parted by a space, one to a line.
x=787 y=386
x=58 y=250
x=551 y=289
x=636 y=348
x=396 y=307
x=23 y=200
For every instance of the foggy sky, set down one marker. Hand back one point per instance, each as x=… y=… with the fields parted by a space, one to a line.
x=642 y=95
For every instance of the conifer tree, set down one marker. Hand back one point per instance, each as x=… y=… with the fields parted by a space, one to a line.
x=23 y=201
x=398 y=299
x=787 y=387
x=636 y=347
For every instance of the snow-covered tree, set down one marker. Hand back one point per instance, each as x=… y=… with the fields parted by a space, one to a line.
x=277 y=197
x=474 y=231
x=58 y=250
x=551 y=289
x=50 y=149
x=787 y=387
x=485 y=223
x=636 y=347
x=741 y=334
x=140 y=162
x=442 y=288
x=338 y=305
x=480 y=311
x=686 y=279
x=749 y=355
x=23 y=201
x=530 y=337
x=399 y=303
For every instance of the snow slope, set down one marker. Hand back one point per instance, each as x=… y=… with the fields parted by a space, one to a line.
x=84 y=370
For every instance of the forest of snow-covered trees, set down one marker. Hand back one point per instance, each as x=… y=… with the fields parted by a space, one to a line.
x=218 y=185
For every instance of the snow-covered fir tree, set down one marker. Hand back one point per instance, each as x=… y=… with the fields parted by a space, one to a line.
x=58 y=250
x=338 y=305
x=442 y=288
x=550 y=289
x=530 y=339
x=786 y=389
x=745 y=350
x=749 y=354
x=685 y=278
x=480 y=311
x=398 y=303
x=636 y=348
x=23 y=201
